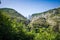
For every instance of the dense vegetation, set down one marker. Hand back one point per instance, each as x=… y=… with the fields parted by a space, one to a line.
x=13 y=29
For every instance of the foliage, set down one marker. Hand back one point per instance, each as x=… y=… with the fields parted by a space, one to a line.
x=10 y=29
x=45 y=34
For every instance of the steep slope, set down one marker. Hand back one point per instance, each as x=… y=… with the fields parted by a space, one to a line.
x=50 y=18
x=13 y=13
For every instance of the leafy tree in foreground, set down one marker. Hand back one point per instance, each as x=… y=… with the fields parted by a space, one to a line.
x=11 y=30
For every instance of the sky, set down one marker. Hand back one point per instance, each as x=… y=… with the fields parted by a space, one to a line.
x=29 y=7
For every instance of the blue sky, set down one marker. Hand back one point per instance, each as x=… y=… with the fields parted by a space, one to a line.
x=29 y=7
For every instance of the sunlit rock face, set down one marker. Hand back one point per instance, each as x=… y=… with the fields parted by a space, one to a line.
x=50 y=17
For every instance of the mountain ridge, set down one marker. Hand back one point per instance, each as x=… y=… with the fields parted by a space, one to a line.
x=45 y=11
x=12 y=12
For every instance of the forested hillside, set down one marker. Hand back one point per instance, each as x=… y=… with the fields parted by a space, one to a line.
x=41 y=26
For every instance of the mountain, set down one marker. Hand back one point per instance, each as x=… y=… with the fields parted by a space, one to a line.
x=52 y=11
x=41 y=26
x=12 y=13
x=50 y=18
